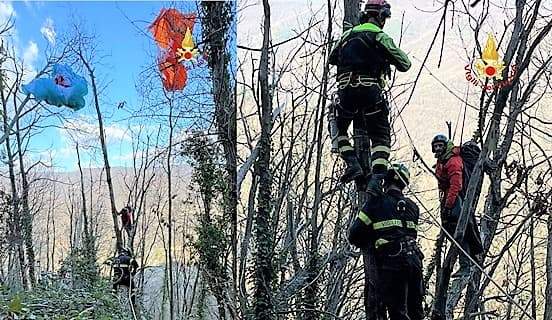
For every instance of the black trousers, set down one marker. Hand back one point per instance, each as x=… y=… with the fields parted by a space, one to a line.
x=472 y=240
x=401 y=286
x=124 y=280
x=367 y=108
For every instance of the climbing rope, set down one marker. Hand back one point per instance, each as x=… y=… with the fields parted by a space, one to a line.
x=451 y=237
x=131 y=291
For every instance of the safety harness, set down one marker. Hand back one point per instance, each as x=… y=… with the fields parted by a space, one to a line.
x=350 y=79
x=390 y=223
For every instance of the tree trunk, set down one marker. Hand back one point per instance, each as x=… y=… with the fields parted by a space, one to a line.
x=217 y=29
x=26 y=217
x=548 y=294
x=89 y=247
x=170 y=222
x=372 y=303
x=264 y=273
x=15 y=219
x=312 y=296
x=116 y=230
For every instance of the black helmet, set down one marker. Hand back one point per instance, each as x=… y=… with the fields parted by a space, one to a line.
x=378 y=8
x=438 y=138
x=398 y=175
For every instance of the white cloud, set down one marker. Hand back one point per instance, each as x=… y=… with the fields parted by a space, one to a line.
x=115 y=132
x=48 y=31
x=6 y=11
x=30 y=53
x=85 y=130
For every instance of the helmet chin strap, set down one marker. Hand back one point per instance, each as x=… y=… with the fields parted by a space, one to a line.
x=379 y=21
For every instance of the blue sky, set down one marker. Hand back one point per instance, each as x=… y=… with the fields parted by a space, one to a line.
x=126 y=47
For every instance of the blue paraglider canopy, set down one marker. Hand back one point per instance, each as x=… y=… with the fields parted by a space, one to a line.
x=65 y=88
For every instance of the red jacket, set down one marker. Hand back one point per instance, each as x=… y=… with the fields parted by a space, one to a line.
x=126 y=216
x=449 y=176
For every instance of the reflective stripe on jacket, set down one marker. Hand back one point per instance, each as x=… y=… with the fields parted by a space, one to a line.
x=391 y=217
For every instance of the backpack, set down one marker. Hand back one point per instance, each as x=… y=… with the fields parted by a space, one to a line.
x=469 y=152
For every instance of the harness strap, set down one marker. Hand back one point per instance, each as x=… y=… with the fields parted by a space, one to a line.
x=347 y=79
x=380 y=242
x=397 y=245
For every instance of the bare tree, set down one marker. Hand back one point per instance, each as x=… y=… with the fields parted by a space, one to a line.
x=81 y=52
x=264 y=272
x=496 y=143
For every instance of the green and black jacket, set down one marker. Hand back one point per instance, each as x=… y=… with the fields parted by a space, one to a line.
x=367 y=50
x=389 y=218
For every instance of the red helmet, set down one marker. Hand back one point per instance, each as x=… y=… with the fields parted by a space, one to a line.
x=380 y=7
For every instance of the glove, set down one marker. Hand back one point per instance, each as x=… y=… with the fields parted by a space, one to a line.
x=445 y=213
x=359 y=234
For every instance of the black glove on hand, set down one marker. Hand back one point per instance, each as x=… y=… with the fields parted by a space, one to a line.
x=359 y=234
x=445 y=213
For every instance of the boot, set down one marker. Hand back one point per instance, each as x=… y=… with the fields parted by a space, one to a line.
x=353 y=170
x=437 y=315
x=375 y=184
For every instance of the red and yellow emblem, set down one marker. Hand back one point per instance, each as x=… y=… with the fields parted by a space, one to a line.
x=187 y=50
x=490 y=65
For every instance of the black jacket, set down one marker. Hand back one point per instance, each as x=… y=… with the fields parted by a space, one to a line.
x=384 y=220
x=125 y=265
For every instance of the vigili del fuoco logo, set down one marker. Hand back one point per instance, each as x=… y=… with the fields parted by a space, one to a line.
x=490 y=66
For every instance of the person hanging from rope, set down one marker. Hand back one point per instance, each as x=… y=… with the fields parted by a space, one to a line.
x=363 y=57
x=124 y=270
x=388 y=223
x=453 y=167
x=126 y=219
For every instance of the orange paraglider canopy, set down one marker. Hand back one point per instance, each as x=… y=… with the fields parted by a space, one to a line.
x=173 y=74
x=170 y=26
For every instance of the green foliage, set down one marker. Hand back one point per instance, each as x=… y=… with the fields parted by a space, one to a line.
x=58 y=301
x=82 y=266
x=15 y=305
x=209 y=177
x=204 y=158
x=211 y=244
x=5 y=207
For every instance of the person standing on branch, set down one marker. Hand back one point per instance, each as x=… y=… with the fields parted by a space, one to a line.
x=452 y=174
x=126 y=219
x=389 y=223
x=363 y=57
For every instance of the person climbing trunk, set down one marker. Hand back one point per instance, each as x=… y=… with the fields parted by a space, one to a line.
x=363 y=57
x=124 y=270
x=126 y=219
x=388 y=222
